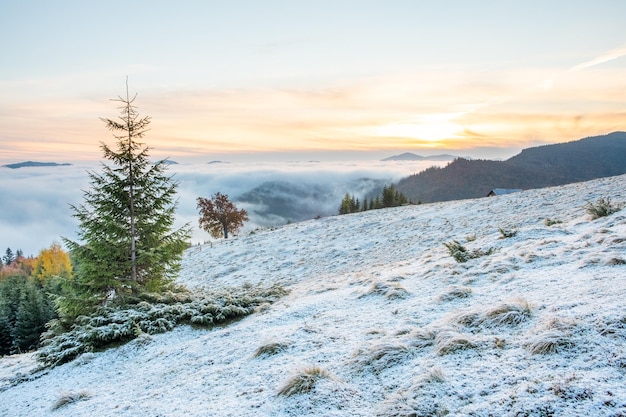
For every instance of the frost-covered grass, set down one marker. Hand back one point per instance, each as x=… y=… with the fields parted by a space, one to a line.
x=69 y=397
x=303 y=381
x=381 y=321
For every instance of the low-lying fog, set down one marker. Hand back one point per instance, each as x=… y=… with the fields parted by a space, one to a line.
x=35 y=203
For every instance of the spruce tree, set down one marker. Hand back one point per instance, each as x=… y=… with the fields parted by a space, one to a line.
x=346 y=204
x=31 y=317
x=126 y=222
x=8 y=257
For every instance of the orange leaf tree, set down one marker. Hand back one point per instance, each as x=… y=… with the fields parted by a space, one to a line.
x=219 y=216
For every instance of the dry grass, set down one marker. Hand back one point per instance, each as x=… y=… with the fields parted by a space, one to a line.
x=509 y=313
x=380 y=356
x=421 y=338
x=454 y=293
x=304 y=381
x=270 y=349
x=449 y=341
x=69 y=397
x=390 y=290
x=435 y=375
x=551 y=337
x=411 y=404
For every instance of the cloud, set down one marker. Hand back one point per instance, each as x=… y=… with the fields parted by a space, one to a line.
x=338 y=115
x=606 y=57
x=36 y=201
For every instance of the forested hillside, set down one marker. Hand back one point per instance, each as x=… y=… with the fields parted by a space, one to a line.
x=542 y=166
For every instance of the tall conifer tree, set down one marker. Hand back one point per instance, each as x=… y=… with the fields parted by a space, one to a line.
x=126 y=222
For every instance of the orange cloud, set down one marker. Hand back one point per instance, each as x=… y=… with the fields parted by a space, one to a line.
x=443 y=110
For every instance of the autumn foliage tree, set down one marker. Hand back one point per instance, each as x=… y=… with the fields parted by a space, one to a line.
x=52 y=262
x=219 y=216
x=28 y=288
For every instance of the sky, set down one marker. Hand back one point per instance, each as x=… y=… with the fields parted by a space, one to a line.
x=250 y=80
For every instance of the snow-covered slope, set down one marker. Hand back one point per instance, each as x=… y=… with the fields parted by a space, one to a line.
x=381 y=320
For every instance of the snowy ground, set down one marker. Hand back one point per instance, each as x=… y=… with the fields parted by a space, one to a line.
x=385 y=319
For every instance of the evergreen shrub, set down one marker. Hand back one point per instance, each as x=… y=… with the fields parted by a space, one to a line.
x=602 y=208
x=119 y=324
x=461 y=254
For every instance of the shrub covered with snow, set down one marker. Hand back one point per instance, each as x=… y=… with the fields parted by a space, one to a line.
x=602 y=207
x=121 y=324
x=461 y=254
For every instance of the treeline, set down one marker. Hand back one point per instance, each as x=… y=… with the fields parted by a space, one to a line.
x=541 y=166
x=28 y=288
x=390 y=197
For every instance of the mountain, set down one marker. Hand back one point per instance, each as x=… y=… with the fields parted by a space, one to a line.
x=380 y=321
x=34 y=164
x=408 y=156
x=542 y=166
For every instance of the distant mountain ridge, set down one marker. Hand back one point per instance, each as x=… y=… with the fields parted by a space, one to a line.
x=537 y=167
x=35 y=164
x=409 y=156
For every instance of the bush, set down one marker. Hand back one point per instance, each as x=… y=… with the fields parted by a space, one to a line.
x=461 y=254
x=551 y=222
x=122 y=324
x=507 y=233
x=602 y=208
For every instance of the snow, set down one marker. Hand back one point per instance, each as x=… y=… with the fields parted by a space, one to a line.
x=395 y=326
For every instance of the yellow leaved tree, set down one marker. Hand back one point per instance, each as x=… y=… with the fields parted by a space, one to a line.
x=52 y=262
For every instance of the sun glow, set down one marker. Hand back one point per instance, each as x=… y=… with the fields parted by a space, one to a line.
x=429 y=127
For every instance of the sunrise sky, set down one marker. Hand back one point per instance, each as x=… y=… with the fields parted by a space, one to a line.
x=311 y=79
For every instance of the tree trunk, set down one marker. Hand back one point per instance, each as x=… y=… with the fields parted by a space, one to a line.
x=225 y=230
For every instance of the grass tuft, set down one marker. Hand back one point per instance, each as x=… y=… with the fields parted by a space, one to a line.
x=270 y=349
x=510 y=313
x=381 y=356
x=454 y=293
x=421 y=338
x=390 y=290
x=435 y=375
x=450 y=341
x=69 y=397
x=551 y=337
x=304 y=381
